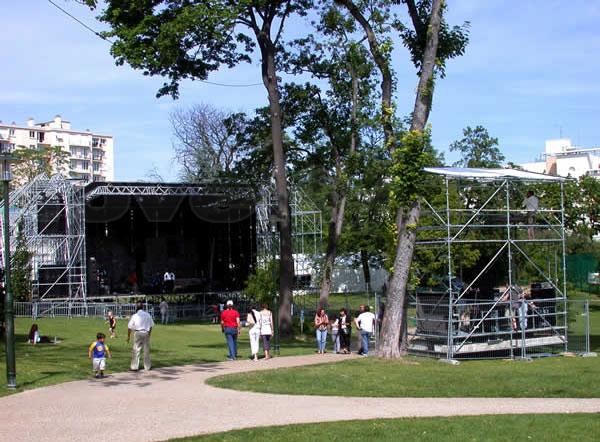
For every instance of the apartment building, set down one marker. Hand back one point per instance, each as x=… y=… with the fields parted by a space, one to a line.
x=562 y=158
x=90 y=155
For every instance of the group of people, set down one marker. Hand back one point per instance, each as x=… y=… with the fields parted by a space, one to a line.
x=139 y=327
x=340 y=327
x=260 y=328
x=260 y=325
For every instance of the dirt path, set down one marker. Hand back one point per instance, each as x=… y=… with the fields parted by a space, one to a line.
x=175 y=402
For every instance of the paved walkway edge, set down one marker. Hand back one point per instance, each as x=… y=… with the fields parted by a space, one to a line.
x=176 y=402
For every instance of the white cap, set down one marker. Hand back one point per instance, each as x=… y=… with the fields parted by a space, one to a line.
x=230 y=302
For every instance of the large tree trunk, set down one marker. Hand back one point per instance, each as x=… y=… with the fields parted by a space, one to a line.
x=364 y=260
x=394 y=328
x=286 y=264
x=335 y=231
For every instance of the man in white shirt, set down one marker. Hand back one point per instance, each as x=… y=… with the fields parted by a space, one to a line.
x=167 y=283
x=164 y=311
x=365 y=323
x=531 y=203
x=140 y=325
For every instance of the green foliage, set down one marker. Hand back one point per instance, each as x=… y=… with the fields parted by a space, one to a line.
x=453 y=40
x=477 y=149
x=182 y=40
x=20 y=282
x=44 y=159
x=408 y=160
x=262 y=284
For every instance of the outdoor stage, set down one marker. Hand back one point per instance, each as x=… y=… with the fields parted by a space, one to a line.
x=135 y=232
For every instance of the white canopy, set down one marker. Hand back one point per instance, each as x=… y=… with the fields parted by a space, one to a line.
x=492 y=174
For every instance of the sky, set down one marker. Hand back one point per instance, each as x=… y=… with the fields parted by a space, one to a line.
x=529 y=74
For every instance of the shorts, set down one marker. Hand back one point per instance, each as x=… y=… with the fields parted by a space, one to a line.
x=266 y=342
x=530 y=217
x=99 y=364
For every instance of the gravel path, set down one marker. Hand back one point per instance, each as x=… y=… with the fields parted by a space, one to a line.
x=175 y=402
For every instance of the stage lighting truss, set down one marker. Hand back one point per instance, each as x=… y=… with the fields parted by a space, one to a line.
x=49 y=212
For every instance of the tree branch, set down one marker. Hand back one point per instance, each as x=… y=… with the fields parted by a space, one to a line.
x=414 y=15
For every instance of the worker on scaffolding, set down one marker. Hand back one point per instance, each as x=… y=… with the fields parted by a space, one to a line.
x=531 y=203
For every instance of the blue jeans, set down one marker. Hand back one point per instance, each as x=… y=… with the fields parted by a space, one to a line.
x=321 y=339
x=231 y=334
x=336 y=341
x=364 y=337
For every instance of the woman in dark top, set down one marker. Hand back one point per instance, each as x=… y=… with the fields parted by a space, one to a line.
x=344 y=329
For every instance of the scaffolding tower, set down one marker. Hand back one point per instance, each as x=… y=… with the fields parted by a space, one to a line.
x=500 y=288
x=48 y=213
x=307 y=233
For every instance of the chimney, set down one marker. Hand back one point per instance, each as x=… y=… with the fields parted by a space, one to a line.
x=58 y=122
x=30 y=122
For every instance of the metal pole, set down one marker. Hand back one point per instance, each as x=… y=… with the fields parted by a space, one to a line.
x=450 y=351
x=564 y=261
x=509 y=255
x=11 y=372
x=587 y=326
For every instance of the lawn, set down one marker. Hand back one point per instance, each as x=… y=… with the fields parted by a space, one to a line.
x=509 y=428
x=414 y=377
x=175 y=344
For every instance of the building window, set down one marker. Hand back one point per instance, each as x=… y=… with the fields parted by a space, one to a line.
x=11 y=132
x=96 y=167
x=41 y=137
x=32 y=146
x=31 y=134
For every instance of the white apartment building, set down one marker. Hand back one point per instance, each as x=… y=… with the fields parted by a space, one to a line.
x=90 y=155
x=562 y=158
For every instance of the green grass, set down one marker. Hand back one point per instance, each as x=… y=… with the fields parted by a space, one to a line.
x=509 y=428
x=412 y=377
x=176 y=344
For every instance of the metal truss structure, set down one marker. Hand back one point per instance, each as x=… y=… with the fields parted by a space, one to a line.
x=502 y=289
x=307 y=232
x=167 y=189
x=48 y=213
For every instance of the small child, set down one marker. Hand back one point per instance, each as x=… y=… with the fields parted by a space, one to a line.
x=99 y=350
x=112 y=324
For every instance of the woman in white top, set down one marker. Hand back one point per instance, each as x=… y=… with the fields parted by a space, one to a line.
x=254 y=322
x=266 y=328
x=335 y=338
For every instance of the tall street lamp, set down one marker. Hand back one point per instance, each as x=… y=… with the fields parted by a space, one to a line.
x=6 y=175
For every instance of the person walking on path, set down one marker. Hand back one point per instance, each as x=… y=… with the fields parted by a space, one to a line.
x=321 y=323
x=365 y=323
x=140 y=325
x=344 y=329
x=164 y=311
x=254 y=322
x=230 y=324
x=112 y=324
x=266 y=329
x=335 y=337
x=97 y=352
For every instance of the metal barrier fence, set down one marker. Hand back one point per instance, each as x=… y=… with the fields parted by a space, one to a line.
x=50 y=309
x=498 y=329
x=580 y=326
